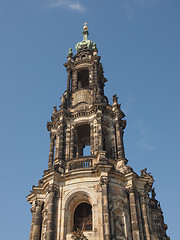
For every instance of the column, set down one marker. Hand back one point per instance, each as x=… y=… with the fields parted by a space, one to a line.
x=67 y=142
x=72 y=143
x=119 y=139
x=68 y=78
x=61 y=139
x=144 y=214
x=114 y=145
x=51 y=212
x=74 y=81
x=51 y=152
x=95 y=136
x=91 y=82
x=105 y=207
x=33 y=211
x=99 y=134
x=37 y=221
x=92 y=138
x=139 y=215
x=95 y=74
x=134 y=218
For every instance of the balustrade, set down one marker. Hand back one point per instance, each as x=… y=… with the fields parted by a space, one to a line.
x=80 y=163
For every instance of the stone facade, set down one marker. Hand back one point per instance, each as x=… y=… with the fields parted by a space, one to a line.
x=97 y=196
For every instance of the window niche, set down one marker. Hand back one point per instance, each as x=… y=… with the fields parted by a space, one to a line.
x=83 y=78
x=83 y=217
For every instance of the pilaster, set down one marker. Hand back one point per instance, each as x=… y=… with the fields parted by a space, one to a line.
x=144 y=214
x=52 y=191
x=72 y=142
x=33 y=211
x=37 y=221
x=134 y=217
x=105 y=207
x=51 y=151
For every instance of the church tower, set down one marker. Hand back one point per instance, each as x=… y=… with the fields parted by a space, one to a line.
x=89 y=191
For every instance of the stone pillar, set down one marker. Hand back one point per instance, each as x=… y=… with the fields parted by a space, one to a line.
x=92 y=138
x=76 y=145
x=119 y=140
x=139 y=215
x=114 y=145
x=61 y=139
x=67 y=142
x=51 y=212
x=144 y=214
x=91 y=82
x=51 y=152
x=37 y=221
x=33 y=211
x=72 y=143
x=68 y=79
x=95 y=136
x=134 y=217
x=95 y=73
x=105 y=207
x=74 y=81
x=99 y=132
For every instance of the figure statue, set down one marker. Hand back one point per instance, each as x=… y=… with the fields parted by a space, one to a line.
x=144 y=173
x=94 y=47
x=119 y=227
x=70 y=53
x=153 y=193
x=115 y=98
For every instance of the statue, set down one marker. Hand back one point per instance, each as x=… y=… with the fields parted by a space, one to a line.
x=144 y=173
x=153 y=194
x=119 y=227
x=94 y=47
x=70 y=53
x=115 y=98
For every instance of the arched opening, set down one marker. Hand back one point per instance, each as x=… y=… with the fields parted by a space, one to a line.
x=83 y=217
x=83 y=78
x=83 y=140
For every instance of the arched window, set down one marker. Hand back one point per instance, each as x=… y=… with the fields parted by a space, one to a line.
x=83 y=78
x=83 y=217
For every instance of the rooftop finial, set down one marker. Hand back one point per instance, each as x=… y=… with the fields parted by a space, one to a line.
x=85 y=44
x=85 y=28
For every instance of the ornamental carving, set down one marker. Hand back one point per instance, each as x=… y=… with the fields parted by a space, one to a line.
x=78 y=235
x=83 y=96
x=104 y=181
x=52 y=189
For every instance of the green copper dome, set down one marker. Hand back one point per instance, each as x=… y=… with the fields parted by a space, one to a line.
x=85 y=44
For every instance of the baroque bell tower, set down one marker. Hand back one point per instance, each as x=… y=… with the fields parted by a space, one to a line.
x=88 y=190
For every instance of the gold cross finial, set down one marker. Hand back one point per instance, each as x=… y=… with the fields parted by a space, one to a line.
x=85 y=26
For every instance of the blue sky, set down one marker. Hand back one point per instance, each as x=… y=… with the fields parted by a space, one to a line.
x=139 y=41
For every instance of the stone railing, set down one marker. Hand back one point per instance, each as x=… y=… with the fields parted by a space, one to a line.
x=80 y=163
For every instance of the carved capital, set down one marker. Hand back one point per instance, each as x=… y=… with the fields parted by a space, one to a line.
x=131 y=190
x=104 y=181
x=39 y=203
x=33 y=209
x=52 y=189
